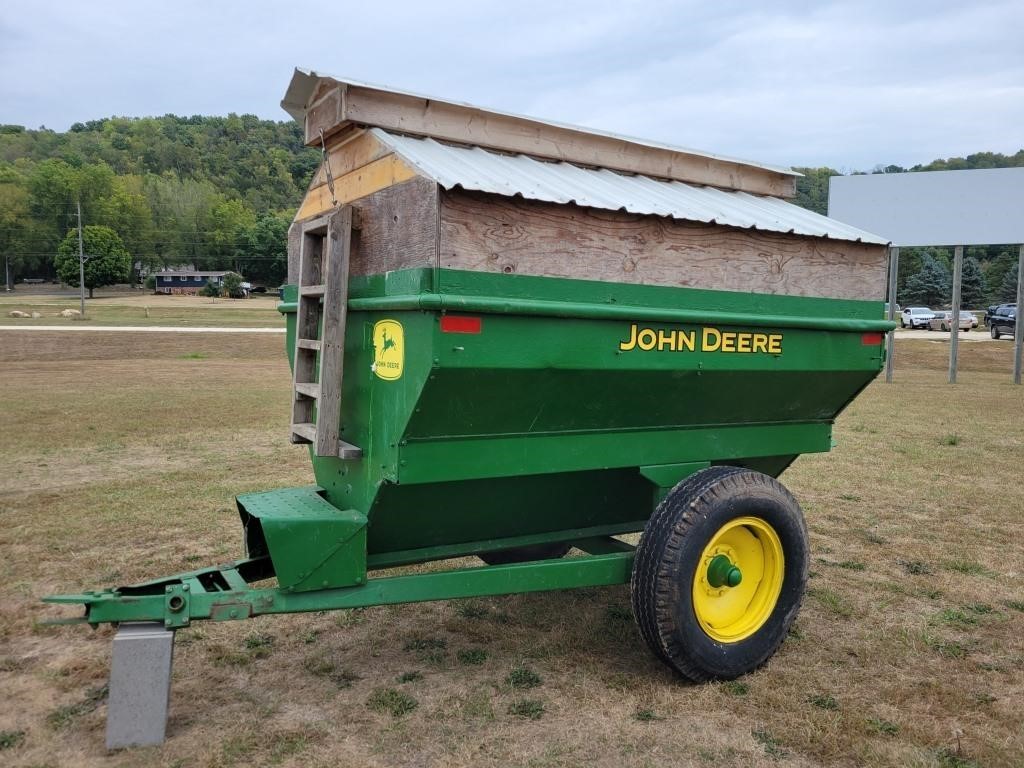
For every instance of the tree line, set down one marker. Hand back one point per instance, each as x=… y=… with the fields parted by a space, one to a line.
x=220 y=192
x=214 y=192
x=989 y=272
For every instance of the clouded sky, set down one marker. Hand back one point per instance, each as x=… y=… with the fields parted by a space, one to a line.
x=846 y=84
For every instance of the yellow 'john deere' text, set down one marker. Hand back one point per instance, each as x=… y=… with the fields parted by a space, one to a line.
x=706 y=340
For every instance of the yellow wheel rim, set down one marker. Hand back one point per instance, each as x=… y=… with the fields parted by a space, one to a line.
x=738 y=579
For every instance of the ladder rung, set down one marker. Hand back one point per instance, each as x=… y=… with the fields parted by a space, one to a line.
x=307 y=390
x=349 y=451
x=313 y=344
x=306 y=432
x=312 y=290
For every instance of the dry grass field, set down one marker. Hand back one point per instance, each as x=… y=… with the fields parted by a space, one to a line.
x=120 y=460
x=133 y=307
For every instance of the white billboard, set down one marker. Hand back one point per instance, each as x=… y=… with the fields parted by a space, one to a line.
x=979 y=207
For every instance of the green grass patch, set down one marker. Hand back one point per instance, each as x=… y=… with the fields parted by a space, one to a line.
x=824 y=701
x=881 y=726
x=11 y=739
x=771 y=745
x=409 y=677
x=950 y=649
x=420 y=644
x=957 y=618
x=966 y=567
x=916 y=567
x=852 y=565
x=947 y=758
x=832 y=601
x=950 y=439
x=193 y=356
x=392 y=702
x=736 y=688
x=259 y=644
x=523 y=677
x=62 y=717
x=318 y=666
x=531 y=709
x=472 y=656
x=1017 y=605
x=646 y=715
x=471 y=609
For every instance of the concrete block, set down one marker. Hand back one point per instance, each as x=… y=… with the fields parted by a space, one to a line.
x=140 y=685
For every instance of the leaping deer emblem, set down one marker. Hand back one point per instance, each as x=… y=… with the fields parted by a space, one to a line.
x=389 y=343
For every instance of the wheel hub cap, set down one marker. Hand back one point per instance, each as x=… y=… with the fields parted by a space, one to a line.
x=738 y=579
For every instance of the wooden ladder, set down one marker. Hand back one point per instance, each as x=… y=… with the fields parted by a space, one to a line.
x=320 y=333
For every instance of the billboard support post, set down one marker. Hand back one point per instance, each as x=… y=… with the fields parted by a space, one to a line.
x=1016 y=326
x=890 y=337
x=954 y=321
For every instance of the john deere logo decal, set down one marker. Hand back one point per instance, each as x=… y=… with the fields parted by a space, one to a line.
x=708 y=340
x=388 y=349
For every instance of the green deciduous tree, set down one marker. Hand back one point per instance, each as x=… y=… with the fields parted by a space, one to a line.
x=15 y=227
x=929 y=286
x=108 y=260
x=232 y=286
x=264 y=248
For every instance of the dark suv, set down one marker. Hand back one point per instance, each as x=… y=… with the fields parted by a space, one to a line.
x=1003 y=319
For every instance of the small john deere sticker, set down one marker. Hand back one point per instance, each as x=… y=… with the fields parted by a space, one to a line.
x=388 y=349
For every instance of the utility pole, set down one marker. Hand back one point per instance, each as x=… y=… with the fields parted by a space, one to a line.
x=7 y=270
x=81 y=260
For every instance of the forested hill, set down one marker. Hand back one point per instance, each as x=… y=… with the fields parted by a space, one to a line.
x=812 y=189
x=212 y=191
x=219 y=192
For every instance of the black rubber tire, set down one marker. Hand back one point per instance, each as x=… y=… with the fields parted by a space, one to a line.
x=993 y=331
x=667 y=557
x=526 y=554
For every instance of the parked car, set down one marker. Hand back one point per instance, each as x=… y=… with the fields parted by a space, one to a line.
x=916 y=317
x=943 y=320
x=1003 y=320
x=992 y=310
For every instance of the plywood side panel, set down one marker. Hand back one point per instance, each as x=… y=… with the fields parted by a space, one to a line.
x=496 y=234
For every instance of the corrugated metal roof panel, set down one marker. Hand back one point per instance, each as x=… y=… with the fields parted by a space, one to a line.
x=482 y=170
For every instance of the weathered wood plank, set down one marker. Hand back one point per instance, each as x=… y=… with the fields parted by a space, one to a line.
x=334 y=109
x=348 y=152
x=337 y=252
x=377 y=175
x=496 y=234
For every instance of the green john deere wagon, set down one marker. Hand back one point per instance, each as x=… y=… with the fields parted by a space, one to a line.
x=518 y=341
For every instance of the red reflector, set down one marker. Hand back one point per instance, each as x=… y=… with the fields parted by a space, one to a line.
x=871 y=339
x=460 y=324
